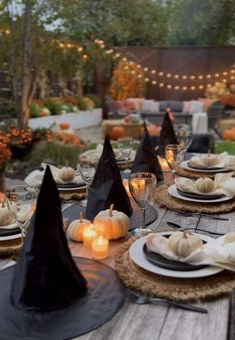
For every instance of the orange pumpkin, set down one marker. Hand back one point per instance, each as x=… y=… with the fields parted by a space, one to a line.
x=229 y=134
x=64 y=126
x=117 y=132
x=153 y=130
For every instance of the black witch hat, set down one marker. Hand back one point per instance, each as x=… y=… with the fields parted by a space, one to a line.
x=146 y=159
x=167 y=134
x=49 y=298
x=107 y=187
x=46 y=277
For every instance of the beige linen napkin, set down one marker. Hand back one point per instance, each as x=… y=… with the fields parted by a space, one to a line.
x=36 y=176
x=208 y=161
x=223 y=184
x=217 y=252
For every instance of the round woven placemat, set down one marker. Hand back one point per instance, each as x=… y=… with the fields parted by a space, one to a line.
x=192 y=173
x=73 y=194
x=164 y=199
x=171 y=288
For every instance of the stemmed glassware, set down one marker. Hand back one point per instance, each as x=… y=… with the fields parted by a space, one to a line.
x=184 y=135
x=87 y=172
x=21 y=202
x=125 y=146
x=174 y=155
x=142 y=187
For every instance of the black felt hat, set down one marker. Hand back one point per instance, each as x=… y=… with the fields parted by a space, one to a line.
x=146 y=159
x=107 y=187
x=46 y=277
x=45 y=295
x=167 y=134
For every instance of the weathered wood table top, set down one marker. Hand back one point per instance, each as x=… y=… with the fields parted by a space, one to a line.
x=140 y=322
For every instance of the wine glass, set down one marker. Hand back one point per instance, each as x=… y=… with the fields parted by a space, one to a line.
x=142 y=187
x=174 y=155
x=184 y=135
x=21 y=202
x=125 y=147
x=87 y=172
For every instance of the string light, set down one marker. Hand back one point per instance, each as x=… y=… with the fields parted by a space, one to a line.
x=147 y=80
x=168 y=75
x=184 y=77
x=161 y=74
x=216 y=75
x=176 y=76
x=153 y=71
x=208 y=76
x=161 y=84
x=200 y=77
x=176 y=87
x=169 y=86
x=154 y=82
x=192 y=88
x=201 y=87
x=146 y=69
x=192 y=77
x=184 y=88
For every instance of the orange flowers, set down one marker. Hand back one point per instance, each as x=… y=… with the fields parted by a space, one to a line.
x=127 y=81
x=5 y=153
x=19 y=137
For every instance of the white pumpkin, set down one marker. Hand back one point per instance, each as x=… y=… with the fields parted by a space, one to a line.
x=210 y=160
x=205 y=185
x=75 y=229
x=183 y=244
x=5 y=215
x=229 y=237
x=66 y=174
x=111 y=223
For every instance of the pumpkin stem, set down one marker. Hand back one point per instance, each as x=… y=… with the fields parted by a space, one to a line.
x=185 y=235
x=111 y=210
x=81 y=216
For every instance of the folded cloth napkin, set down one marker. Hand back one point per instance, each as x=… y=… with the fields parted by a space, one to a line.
x=93 y=156
x=146 y=159
x=167 y=135
x=107 y=187
x=36 y=176
x=209 y=161
x=217 y=252
x=222 y=184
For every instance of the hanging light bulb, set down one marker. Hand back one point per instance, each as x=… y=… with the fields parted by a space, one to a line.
x=216 y=75
x=161 y=84
x=192 y=77
x=201 y=87
x=147 y=80
x=169 y=86
x=225 y=73
x=176 y=87
x=146 y=69
x=177 y=76
x=184 y=76
x=192 y=88
x=168 y=75
x=208 y=76
x=153 y=71
x=161 y=74
x=184 y=88
x=200 y=77
x=154 y=82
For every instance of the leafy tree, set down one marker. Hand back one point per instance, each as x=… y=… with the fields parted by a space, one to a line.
x=201 y=22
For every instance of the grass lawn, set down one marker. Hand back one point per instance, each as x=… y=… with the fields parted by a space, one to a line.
x=228 y=146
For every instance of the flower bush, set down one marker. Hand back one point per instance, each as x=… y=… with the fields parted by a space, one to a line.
x=217 y=91
x=5 y=152
x=127 y=81
x=19 y=137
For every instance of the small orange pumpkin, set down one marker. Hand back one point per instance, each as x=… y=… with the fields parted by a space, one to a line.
x=153 y=130
x=64 y=126
x=117 y=132
x=229 y=134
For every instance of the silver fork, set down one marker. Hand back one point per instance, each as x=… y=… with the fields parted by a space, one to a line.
x=143 y=299
x=177 y=226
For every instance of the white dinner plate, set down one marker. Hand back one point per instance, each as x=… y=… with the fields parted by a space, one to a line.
x=137 y=256
x=82 y=187
x=10 y=237
x=173 y=192
x=185 y=166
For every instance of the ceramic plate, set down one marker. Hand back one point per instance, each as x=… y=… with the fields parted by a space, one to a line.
x=10 y=237
x=174 y=192
x=137 y=256
x=186 y=166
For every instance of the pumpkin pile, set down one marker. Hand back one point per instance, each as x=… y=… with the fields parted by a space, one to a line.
x=229 y=134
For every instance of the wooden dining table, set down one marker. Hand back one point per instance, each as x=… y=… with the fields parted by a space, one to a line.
x=160 y=321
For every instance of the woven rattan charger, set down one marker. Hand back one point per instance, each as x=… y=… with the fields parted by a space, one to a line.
x=171 y=288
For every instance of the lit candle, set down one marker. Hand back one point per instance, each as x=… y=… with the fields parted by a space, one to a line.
x=126 y=186
x=100 y=247
x=163 y=163
x=89 y=234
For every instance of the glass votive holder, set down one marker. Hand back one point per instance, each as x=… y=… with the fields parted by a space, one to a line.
x=100 y=247
x=89 y=234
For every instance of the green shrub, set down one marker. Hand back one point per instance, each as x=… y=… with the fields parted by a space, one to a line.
x=225 y=146
x=96 y=99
